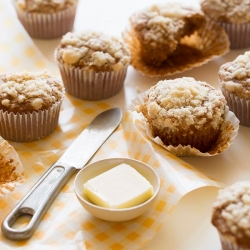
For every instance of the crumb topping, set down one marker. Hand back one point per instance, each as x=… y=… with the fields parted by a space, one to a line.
x=235 y=76
x=227 y=11
x=185 y=102
x=231 y=211
x=93 y=50
x=45 y=6
x=27 y=91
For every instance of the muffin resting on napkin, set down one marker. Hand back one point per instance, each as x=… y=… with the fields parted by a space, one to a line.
x=231 y=216
x=93 y=65
x=185 y=112
x=234 y=79
x=160 y=28
x=29 y=105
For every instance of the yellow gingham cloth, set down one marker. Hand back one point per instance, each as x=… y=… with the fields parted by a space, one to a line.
x=67 y=225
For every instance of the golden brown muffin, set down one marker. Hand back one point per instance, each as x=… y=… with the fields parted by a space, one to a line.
x=231 y=216
x=234 y=79
x=233 y=16
x=29 y=105
x=185 y=112
x=46 y=19
x=160 y=28
x=93 y=65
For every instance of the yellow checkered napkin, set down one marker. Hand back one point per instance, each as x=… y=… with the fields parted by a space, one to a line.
x=67 y=225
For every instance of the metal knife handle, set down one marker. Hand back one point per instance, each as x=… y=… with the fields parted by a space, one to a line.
x=37 y=201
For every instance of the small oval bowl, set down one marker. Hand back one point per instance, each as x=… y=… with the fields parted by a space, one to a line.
x=110 y=214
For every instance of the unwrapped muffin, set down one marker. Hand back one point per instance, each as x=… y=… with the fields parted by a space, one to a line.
x=231 y=216
x=159 y=29
x=185 y=112
x=234 y=79
x=93 y=65
x=233 y=16
x=11 y=168
x=29 y=105
x=46 y=19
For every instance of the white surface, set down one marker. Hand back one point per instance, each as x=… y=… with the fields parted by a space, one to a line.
x=188 y=227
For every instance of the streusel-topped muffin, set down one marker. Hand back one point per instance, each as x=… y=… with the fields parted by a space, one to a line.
x=46 y=19
x=185 y=112
x=93 y=65
x=29 y=105
x=233 y=16
x=11 y=168
x=231 y=216
x=234 y=79
x=159 y=29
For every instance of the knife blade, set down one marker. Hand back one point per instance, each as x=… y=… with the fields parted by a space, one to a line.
x=37 y=201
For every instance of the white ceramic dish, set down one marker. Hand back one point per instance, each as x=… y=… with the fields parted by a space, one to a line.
x=108 y=214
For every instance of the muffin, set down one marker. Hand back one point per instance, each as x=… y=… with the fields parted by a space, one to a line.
x=93 y=65
x=29 y=105
x=11 y=168
x=185 y=112
x=231 y=216
x=46 y=19
x=233 y=16
x=160 y=28
x=234 y=79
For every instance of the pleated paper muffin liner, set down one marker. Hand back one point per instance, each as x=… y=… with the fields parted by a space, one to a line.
x=228 y=243
x=47 y=26
x=30 y=126
x=239 y=34
x=229 y=130
x=240 y=107
x=209 y=42
x=91 y=85
x=11 y=169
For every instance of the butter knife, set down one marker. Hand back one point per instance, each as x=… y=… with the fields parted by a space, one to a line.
x=37 y=201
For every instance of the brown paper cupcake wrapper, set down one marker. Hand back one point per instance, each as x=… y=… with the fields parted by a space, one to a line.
x=91 y=85
x=240 y=107
x=239 y=34
x=229 y=131
x=31 y=126
x=228 y=243
x=47 y=26
x=209 y=42
x=11 y=169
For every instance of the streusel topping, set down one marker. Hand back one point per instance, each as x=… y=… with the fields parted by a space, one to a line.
x=28 y=91
x=45 y=6
x=231 y=211
x=185 y=102
x=235 y=76
x=93 y=50
x=232 y=11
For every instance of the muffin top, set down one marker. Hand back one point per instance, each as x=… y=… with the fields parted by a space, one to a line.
x=45 y=6
x=92 y=50
x=170 y=20
x=231 y=11
x=183 y=103
x=231 y=212
x=235 y=76
x=26 y=91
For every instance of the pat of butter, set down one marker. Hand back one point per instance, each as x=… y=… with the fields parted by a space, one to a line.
x=119 y=187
